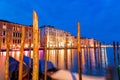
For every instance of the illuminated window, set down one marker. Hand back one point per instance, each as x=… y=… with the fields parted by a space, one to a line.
x=4 y=26
x=14 y=27
x=18 y=28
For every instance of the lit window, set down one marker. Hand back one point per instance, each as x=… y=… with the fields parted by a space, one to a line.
x=18 y=29
x=4 y=26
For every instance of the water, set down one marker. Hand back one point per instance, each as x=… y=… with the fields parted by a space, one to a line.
x=93 y=63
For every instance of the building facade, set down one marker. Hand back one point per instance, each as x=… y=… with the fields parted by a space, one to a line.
x=86 y=42
x=55 y=37
x=15 y=31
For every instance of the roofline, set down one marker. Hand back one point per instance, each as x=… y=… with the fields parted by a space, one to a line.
x=1 y=20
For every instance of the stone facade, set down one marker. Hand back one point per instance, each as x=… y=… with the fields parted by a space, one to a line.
x=56 y=37
x=15 y=34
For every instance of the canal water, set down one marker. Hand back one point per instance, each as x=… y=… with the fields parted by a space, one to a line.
x=94 y=62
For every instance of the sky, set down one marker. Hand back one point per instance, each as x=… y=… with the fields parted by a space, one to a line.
x=99 y=19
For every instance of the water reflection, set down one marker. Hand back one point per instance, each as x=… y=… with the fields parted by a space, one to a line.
x=94 y=62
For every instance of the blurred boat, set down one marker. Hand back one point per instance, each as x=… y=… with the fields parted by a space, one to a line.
x=14 y=67
x=67 y=75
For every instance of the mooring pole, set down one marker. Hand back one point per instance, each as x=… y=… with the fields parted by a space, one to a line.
x=105 y=55
x=21 y=54
x=100 y=55
x=114 y=49
x=79 y=53
x=71 y=55
x=29 y=58
x=45 y=58
x=35 y=47
x=87 y=53
x=7 y=58
x=0 y=44
x=95 y=52
x=118 y=53
x=57 y=55
x=66 y=57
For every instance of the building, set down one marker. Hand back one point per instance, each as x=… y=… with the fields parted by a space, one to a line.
x=56 y=37
x=15 y=31
x=86 y=42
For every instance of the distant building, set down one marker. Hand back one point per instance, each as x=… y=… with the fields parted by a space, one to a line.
x=15 y=31
x=56 y=37
x=86 y=42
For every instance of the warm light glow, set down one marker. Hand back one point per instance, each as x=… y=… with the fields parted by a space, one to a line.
x=18 y=46
x=26 y=45
x=4 y=53
x=13 y=53
x=91 y=45
x=31 y=54
x=32 y=45
x=26 y=53
x=17 y=55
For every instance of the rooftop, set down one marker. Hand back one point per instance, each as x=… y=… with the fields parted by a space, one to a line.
x=1 y=20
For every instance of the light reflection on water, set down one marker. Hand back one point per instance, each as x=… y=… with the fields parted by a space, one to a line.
x=90 y=60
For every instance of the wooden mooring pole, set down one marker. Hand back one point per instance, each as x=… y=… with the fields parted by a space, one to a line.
x=35 y=47
x=66 y=56
x=57 y=52
x=79 y=53
x=29 y=58
x=21 y=54
x=7 y=58
x=0 y=44
x=87 y=54
x=95 y=53
x=45 y=58
x=90 y=58
x=118 y=53
x=71 y=57
x=105 y=56
x=114 y=49
x=100 y=55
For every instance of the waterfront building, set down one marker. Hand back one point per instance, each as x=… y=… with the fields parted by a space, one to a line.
x=55 y=37
x=15 y=34
x=86 y=42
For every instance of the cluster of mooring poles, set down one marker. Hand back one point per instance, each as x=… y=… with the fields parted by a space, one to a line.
x=35 y=40
x=116 y=52
x=35 y=73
